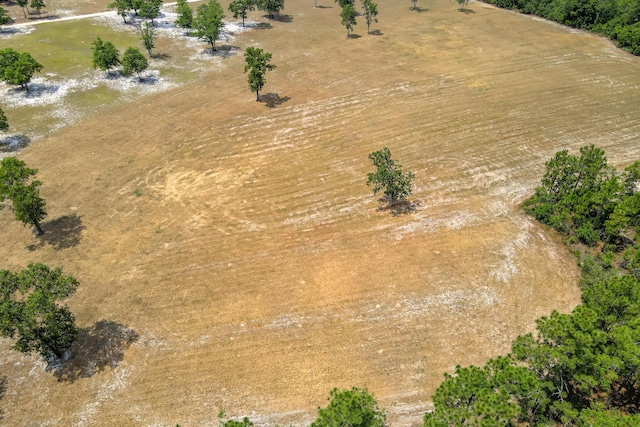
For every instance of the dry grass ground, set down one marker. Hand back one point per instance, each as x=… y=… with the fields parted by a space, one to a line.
x=244 y=264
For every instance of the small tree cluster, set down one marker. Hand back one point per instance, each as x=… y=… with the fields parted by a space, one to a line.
x=17 y=68
x=38 y=5
x=17 y=186
x=106 y=57
x=4 y=18
x=348 y=14
x=355 y=408
x=30 y=311
x=149 y=9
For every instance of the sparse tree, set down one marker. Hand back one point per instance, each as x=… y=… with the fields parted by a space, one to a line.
x=150 y=9
x=208 y=22
x=389 y=177
x=4 y=124
x=415 y=4
x=17 y=68
x=185 y=15
x=462 y=4
x=31 y=313
x=4 y=18
x=16 y=185
x=239 y=8
x=133 y=61
x=122 y=8
x=136 y=5
x=271 y=6
x=370 y=13
x=148 y=37
x=105 y=55
x=38 y=5
x=355 y=408
x=23 y=5
x=257 y=65
x=348 y=16
x=343 y=3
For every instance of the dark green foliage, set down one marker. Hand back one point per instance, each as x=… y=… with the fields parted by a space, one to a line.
x=370 y=13
x=16 y=185
x=185 y=15
x=30 y=312
x=208 y=22
x=500 y=394
x=271 y=6
x=617 y=19
x=38 y=5
x=148 y=37
x=133 y=61
x=17 y=68
x=354 y=408
x=231 y=423
x=105 y=55
x=343 y=3
x=239 y=8
x=122 y=8
x=389 y=177
x=150 y=9
x=4 y=17
x=4 y=124
x=348 y=16
x=257 y=64
x=584 y=197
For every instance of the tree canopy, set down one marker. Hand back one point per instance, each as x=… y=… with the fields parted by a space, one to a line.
x=389 y=177
x=133 y=61
x=185 y=15
x=348 y=16
x=16 y=185
x=148 y=36
x=38 y=5
x=30 y=311
x=150 y=9
x=105 y=55
x=370 y=13
x=356 y=408
x=17 y=68
x=257 y=64
x=270 y=6
x=4 y=17
x=208 y=22
x=4 y=124
x=122 y=8
x=239 y=8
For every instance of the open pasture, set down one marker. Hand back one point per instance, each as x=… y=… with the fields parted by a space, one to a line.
x=231 y=257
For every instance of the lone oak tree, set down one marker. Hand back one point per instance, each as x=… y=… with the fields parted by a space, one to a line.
x=208 y=22
x=348 y=16
x=239 y=8
x=257 y=65
x=26 y=203
x=370 y=13
x=133 y=61
x=105 y=55
x=148 y=37
x=185 y=15
x=29 y=310
x=389 y=177
x=17 y=68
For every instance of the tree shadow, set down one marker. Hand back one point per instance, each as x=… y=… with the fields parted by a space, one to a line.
x=466 y=11
x=376 y=33
x=161 y=56
x=420 y=9
x=260 y=26
x=324 y=7
x=97 y=348
x=147 y=80
x=13 y=143
x=354 y=36
x=3 y=391
x=224 y=51
x=4 y=31
x=280 y=18
x=61 y=233
x=400 y=207
x=36 y=90
x=273 y=99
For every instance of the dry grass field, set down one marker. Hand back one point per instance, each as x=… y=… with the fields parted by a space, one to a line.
x=232 y=258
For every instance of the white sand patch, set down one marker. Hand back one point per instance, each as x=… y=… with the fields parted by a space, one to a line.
x=107 y=393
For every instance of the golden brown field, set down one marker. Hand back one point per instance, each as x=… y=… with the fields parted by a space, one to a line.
x=246 y=266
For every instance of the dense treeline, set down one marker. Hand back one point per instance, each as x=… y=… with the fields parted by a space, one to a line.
x=579 y=369
x=617 y=19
